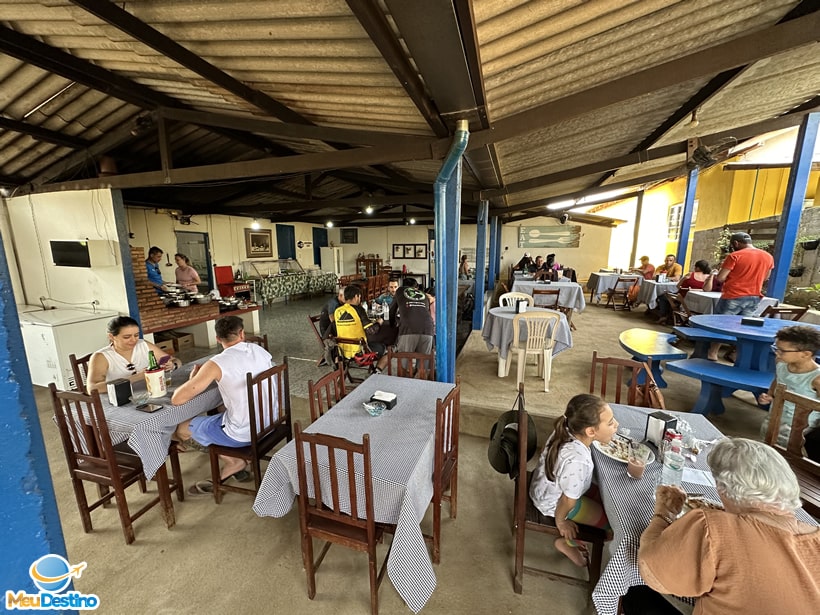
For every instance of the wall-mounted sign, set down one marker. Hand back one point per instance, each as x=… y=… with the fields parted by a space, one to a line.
x=304 y=244
x=549 y=237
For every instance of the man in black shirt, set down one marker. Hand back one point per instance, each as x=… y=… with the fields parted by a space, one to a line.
x=411 y=309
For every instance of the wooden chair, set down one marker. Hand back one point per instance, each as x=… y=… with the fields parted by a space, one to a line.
x=269 y=407
x=784 y=312
x=314 y=324
x=331 y=507
x=445 y=461
x=509 y=299
x=552 y=302
x=79 y=367
x=92 y=457
x=326 y=392
x=411 y=365
x=259 y=340
x=347 y=362
x=620 y=291
x=527 y=517
x=621 y=366
x=806 y=470
x=680 y=313
x=541 y=330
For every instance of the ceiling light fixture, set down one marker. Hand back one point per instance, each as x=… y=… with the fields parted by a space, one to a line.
x=368 y=209
x=412 y=220
x=561 y=204
x=329 y=224
x=255 y=225
x=694 y=123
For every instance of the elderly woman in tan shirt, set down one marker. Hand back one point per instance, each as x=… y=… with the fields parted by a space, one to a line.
x=753 y=557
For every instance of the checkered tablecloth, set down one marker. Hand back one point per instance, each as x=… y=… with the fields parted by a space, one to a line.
x=498 y=330
x=150 y=434
x=629 y=504
x=401 y=445
x=702 y=302
x=571 y=294
x=600 y=282
x=650 y=290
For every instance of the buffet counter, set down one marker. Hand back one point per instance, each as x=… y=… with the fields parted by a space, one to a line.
x=287 y=284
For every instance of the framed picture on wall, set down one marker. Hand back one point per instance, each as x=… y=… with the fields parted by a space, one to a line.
x=408 y=250
x=349 y=235
x=258 y=244
x=421 y=250
x=398 y=250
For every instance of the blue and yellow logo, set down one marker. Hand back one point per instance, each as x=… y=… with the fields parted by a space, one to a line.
x=52 y=574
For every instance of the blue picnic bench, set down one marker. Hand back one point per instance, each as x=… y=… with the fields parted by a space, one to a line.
x=702 y=339
x=652 y=346
x=718 y=381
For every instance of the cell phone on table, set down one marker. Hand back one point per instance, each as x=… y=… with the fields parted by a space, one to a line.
x=149 y=407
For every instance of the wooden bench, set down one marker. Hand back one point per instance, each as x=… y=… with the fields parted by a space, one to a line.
x=652 y=347
x=702 y=339
x=718 y=381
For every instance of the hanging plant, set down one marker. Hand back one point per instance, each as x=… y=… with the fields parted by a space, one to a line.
x=721 y=246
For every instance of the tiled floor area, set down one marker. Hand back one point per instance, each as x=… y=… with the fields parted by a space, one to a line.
x=224 y=559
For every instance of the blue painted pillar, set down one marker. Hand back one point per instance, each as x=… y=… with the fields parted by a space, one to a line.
x=29 y=522
x=448 y=217
x=492 y=273
x=686 y=218
x=480 y=252
x=793 y=206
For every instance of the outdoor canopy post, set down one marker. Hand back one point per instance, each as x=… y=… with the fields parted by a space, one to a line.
x=793 y=205
x=448 y=216
x=492 y=272
x=480 y=251
x=686 y=216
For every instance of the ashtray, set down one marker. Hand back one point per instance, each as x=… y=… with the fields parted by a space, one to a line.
x=140 y=398
x=374 y=408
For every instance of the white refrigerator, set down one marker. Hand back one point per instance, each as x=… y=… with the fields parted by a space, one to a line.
x=51 y=335
x=332 y=260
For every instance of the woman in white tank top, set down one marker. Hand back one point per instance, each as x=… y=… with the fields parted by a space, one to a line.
x=126 y=356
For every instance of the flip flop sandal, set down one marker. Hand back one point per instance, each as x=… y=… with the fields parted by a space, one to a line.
x=206 y=487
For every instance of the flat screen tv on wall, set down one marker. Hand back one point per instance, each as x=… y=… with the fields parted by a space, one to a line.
x=70 y=253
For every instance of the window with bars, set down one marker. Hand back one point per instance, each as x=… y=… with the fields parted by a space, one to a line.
x=675 y=215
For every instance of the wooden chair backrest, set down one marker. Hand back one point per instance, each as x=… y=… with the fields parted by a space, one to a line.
x=79 y=367
x=623 y=284
x=541 y=330
x=259 y=340
x=784 y=312
x=803 y=407
x=83 y=430
x=547 y=293
x=332 y=494
x=620 y=366
x=269 y=403
x=445 y=458
x=509 y=299
x=409 y=364
x=326 y=392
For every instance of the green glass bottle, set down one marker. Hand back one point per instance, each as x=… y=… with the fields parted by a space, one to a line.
x=152 y=361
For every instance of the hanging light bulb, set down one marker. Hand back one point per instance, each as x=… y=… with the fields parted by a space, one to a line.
x=368 y=209
x=412 y=220
x=329 y=224
x=255 y=225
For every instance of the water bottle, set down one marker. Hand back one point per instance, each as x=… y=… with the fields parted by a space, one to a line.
x=673 y=460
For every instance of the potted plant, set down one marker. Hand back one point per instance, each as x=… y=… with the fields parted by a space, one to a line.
x=809 y=243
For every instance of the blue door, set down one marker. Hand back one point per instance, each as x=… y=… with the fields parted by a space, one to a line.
x=285 y=241
x=319 y=241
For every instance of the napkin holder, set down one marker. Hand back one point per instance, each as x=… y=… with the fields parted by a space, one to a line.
x=521 y=306
x=753 y=321
x=388 y=399
x=119 y=392
x=656 y=425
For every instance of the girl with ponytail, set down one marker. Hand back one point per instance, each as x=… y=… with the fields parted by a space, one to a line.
x=561 y=482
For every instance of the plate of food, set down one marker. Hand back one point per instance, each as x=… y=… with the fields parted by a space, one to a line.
x=618 y=449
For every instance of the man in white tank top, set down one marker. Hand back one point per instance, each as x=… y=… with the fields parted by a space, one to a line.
x=228 y=369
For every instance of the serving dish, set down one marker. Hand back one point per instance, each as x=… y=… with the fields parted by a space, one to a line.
x=618 y=449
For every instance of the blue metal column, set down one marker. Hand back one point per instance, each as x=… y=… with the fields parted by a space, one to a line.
x=448 y=216
x=492 y=272
x=480 y=251
x=29 y=522
x=793 y=206
x=686 y=218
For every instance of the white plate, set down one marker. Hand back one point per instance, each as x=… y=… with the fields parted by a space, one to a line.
x=609 y=452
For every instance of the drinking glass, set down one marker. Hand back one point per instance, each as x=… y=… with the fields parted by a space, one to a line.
x=638 y=456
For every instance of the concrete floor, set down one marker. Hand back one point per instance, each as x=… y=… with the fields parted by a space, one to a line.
x=222 y=559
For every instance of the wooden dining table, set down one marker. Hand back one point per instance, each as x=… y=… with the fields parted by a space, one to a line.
x=629 y=503
x=498 y=333
x=402 y=447
x=149 y=435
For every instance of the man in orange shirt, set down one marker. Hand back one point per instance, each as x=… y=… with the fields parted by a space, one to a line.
x=743 y=272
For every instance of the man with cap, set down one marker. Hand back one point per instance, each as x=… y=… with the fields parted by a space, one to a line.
x=524 y=264
x=743 y=273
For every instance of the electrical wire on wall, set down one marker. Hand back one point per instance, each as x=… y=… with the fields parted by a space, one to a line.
x=39 y=245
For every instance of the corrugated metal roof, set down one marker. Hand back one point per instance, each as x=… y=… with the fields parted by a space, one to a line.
x=337 y=68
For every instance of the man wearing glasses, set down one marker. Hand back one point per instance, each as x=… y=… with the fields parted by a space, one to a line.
x=795 y=348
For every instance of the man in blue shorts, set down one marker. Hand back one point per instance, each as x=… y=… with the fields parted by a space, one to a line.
x=228 y=369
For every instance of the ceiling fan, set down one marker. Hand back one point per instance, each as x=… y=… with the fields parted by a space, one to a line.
x=702 y=156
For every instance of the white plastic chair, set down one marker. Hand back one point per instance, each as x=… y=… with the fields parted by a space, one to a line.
x=509 y=299
x=541 y=330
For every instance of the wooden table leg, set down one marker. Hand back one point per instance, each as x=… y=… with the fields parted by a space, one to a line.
x=165 y=497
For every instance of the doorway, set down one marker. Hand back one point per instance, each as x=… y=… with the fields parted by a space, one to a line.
x=195 y=246
x=286 y=241
x=319 y=242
